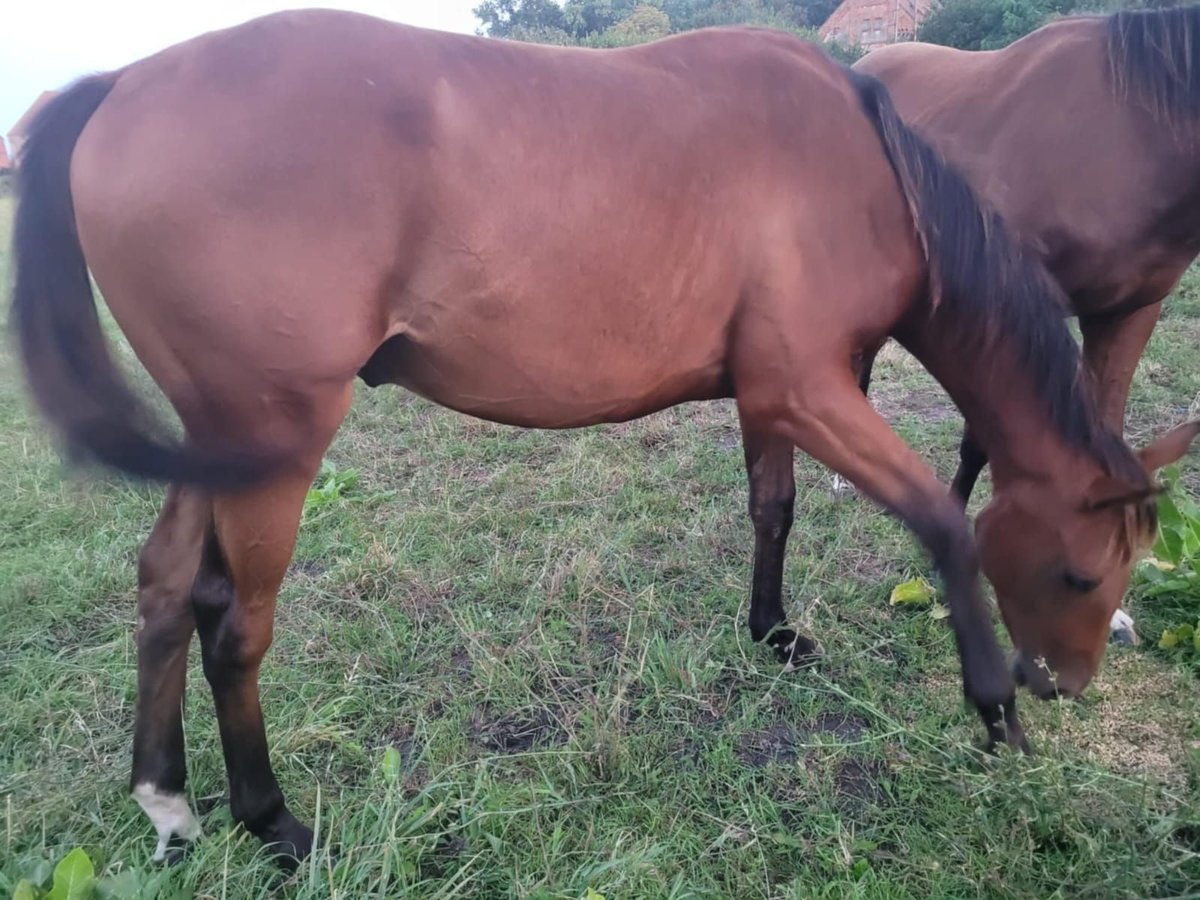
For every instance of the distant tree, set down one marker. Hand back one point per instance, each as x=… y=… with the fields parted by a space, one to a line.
x=816 y=12
x=585 y=18
x=619 y=23
x=986 y=24
x=689 y=14
x=512 y=18
x=645 y=23
x=1111 y=6
x=992 y=24
x=543 y=34
x=848 y=54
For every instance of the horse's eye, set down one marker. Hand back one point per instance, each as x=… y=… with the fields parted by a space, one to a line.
x=1080 y=583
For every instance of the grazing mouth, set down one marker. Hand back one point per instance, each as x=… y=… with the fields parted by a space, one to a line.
x=1042 y=685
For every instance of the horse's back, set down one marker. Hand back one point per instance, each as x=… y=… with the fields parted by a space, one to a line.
x=1047 y=139
x=541 y=235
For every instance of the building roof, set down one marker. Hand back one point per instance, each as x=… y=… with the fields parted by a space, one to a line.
x=17 y=133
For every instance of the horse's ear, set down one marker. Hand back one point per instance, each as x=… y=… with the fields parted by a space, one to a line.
x=1107 y=492
x=1170 y=447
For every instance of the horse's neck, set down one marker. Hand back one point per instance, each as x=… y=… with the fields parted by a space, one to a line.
x=1003 y=410
x=1174 y=201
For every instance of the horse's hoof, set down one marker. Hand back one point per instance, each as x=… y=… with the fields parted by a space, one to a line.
x=176 y=851
x=796 y=651
x=288 y=840
x=1003 y=727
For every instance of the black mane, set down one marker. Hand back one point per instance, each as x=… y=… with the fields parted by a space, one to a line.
x=988 y=292
x=1155 y=60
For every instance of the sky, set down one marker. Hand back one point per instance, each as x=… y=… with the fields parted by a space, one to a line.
x=47 y=43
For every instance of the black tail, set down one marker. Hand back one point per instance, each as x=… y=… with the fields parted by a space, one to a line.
x=984 y=288
x=67 y=363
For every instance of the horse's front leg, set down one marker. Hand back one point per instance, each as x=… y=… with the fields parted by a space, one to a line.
x=827 y=416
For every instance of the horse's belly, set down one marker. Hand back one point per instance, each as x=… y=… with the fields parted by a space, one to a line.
x=546 y=387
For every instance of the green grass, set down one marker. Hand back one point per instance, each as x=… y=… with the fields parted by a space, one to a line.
x=513 y=664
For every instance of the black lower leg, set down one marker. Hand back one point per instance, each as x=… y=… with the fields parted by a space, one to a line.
x=972 y=459
x=158 y=748
x=231 y=667
x=766 y=593
x=987 y=680
x=772 y=498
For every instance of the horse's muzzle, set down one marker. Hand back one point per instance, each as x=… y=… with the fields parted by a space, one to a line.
x=1040 y=681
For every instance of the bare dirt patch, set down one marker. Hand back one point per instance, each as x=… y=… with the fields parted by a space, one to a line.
x=783 y=742
x=1125 y=722
x=859 y=783
x=1128 y=728
x=520 y=731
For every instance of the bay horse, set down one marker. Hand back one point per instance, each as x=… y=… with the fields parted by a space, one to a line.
x=545 y=237
x=1085 y=136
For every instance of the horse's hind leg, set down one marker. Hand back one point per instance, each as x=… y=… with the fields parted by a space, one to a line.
x=772 y=497
x=246 y=554
x=167 y=567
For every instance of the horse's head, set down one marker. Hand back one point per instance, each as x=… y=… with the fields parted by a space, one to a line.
x=1060 y=567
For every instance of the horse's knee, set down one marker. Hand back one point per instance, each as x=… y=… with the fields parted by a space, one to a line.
x=230 y=652
x=943 y=529
x=772 y=516
x=161 y=634
x=164 y=615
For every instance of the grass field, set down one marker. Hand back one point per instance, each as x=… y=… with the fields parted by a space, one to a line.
x=513 y=664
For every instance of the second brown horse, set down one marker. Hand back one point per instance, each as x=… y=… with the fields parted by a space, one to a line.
x=1085 y=135
x=548 y=237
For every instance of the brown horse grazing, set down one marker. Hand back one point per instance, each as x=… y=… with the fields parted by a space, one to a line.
x=546 y=237
x=1085 y=136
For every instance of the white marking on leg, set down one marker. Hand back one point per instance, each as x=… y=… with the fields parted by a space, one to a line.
x=170 y=815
